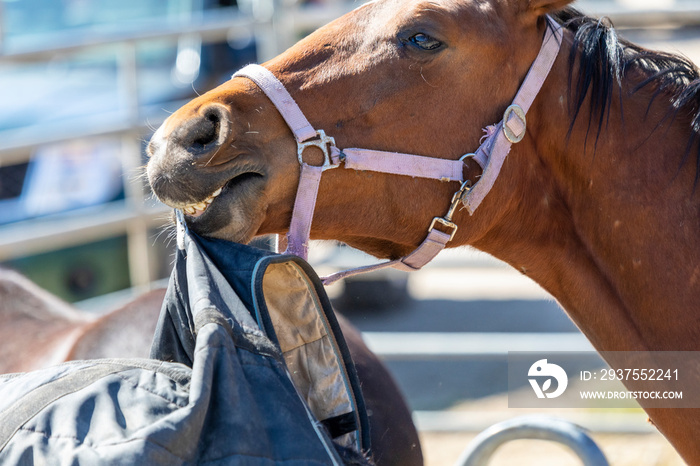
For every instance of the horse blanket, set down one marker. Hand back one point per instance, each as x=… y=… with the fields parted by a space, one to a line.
x=248 y=367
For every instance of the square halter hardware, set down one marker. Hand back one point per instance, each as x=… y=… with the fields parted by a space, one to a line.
x=321 y=141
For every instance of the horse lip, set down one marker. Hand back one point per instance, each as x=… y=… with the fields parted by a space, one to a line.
x=199 y=208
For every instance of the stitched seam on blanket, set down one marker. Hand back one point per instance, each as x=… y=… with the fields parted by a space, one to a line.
x=136 y=385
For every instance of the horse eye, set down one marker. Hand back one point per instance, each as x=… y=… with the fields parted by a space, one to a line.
x=425 y=42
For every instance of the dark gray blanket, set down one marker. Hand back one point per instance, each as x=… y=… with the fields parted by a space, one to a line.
x=248 y=367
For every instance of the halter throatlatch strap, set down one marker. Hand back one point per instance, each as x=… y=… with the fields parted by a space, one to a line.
x=490 y=155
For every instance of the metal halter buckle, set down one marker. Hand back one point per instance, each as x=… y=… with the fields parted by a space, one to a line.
x=324 y=143
x=446 y=221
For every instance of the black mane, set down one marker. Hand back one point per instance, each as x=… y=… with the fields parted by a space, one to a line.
x=604 y=59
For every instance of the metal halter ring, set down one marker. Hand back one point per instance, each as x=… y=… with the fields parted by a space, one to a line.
x=518 y=112
x=324 y=143
x=467 y=156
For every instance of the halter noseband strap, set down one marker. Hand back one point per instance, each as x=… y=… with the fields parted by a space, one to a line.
x=490 y=155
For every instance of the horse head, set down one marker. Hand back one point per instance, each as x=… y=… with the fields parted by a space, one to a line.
x=598 y=201
x=418 y=77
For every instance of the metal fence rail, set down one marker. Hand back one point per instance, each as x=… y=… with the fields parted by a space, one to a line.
x=640 y=14
x=442 y=345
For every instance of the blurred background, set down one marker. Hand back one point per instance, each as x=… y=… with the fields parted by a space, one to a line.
x=84 y=83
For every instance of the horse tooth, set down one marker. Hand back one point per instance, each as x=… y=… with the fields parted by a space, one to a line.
x=217 y=192
x=209 y=201
x=189 y=210
x=201 y=206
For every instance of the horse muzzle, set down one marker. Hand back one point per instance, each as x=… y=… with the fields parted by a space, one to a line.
x=198 y=138
x=184 y=147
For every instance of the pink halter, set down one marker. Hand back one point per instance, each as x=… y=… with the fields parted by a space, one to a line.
x=490 y=155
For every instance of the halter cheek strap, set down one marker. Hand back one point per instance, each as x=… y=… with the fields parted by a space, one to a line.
x=490 y=155
x=512 y=128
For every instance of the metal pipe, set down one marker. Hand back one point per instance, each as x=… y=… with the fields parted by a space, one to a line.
x=127 y=75
x=74 y=228
x=484 y=445
x=15 y=144
x=213 y=27
x=461 y=345
x=2 y=28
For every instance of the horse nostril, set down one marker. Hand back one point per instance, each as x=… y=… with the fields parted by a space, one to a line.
x=206 y=132
x=209 y=129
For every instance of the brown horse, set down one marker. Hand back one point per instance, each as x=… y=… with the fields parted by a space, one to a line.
x=37 y=330
x=598 y=203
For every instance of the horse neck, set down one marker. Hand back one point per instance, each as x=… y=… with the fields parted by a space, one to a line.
x=607 y=223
